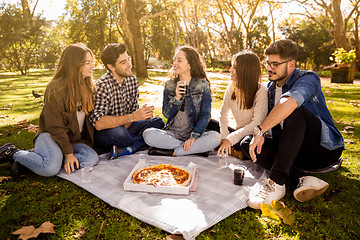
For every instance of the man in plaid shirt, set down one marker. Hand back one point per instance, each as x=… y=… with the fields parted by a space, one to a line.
x=118 y=120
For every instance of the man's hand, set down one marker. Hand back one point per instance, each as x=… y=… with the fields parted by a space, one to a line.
x=225 y=148
x=256 y=143
x=70 y=163
x=145 y=112
x=188 y=144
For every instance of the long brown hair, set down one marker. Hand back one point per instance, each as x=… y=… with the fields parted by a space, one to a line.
x=69 y=81
x=248 y=76
x=197 y=65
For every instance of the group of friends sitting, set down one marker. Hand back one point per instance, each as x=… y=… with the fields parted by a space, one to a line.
x=285 y=126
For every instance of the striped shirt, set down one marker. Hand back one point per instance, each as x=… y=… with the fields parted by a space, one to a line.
x=113 y=98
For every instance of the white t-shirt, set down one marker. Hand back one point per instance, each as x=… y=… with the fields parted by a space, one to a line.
x=278 y=93
x=81 y=118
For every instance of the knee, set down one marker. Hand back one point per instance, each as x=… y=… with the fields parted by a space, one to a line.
x=51 y=169
x=157 y=122
x=148 y=135
x=215 y=138
x=92 y=157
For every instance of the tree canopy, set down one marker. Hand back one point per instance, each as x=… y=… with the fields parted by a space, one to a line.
x=155 y=28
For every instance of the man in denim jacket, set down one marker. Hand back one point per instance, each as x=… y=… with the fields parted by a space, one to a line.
x=304 y=137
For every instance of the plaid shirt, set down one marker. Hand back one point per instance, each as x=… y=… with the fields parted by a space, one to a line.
x=113 y=98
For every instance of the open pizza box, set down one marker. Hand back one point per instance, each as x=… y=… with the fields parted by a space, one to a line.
x=129 y=185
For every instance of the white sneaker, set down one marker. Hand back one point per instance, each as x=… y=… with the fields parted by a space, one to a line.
x=265 y=193
x=309 y=187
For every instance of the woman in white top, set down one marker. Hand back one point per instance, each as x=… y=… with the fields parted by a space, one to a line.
x=247 y=99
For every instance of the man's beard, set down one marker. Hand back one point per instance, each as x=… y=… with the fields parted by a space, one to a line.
x=281 y=77
x=122 y=73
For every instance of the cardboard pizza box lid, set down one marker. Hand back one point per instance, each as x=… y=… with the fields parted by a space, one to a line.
x=129 y=185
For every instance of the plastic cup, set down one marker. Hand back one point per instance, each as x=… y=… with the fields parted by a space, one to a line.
x=239 y=173
x=223 y=162
x=86 y=171
x=185 y=87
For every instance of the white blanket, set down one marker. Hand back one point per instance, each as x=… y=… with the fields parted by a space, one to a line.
x=215 y=199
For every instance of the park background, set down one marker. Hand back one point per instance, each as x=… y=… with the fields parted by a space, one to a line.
x=30 y=45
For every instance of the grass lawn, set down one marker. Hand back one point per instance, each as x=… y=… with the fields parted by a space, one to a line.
x=32 y=200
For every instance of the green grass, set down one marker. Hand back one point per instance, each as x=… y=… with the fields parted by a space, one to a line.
x=77 y=214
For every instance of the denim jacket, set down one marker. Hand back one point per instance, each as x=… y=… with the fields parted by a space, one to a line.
x=305 y=88
x=198 y=104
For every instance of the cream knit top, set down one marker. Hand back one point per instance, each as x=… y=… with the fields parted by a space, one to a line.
x=246 y=119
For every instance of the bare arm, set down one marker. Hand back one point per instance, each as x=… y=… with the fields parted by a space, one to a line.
x=280 y=112
x=106 y=122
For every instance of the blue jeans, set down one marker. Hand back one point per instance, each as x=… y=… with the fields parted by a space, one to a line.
x=166 y=140
x=122 y=137
x=47 y=159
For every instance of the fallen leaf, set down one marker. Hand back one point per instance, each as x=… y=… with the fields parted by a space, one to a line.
x=348 y=141
x=283 y=211
x=46 y=227
x=349 y=127
x=32 y=128
x=174 y=237
x=267 y=211
x=4 y=116
x=278 y=211
x=32 y=232
x=2 y=178
x=348 y=123
x=26 y=232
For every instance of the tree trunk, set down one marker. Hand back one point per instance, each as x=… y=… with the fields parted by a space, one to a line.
x=134 y=25
x=339 y=28
x=357 y=41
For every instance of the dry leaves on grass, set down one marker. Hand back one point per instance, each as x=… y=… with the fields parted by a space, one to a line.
x=2 y=178
x=346 y=130
x=348 y=141
x=26 y=126
x=32 y=232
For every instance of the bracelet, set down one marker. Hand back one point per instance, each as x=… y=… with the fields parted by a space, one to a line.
x=258 y=131
x=260 y=127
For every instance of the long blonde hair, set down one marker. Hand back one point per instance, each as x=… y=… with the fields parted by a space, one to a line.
x=70 y=82
x=248 y=76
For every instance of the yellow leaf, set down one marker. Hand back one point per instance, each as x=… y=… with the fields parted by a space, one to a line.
x=267 y=211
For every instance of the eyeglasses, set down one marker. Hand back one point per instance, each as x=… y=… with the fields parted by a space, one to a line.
x=274 y=65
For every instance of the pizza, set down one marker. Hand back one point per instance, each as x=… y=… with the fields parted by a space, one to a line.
x=162 y=175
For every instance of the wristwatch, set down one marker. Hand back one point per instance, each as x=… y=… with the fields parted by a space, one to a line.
x=259 y=132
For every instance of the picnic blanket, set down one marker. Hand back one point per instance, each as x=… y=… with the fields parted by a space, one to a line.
x=216 y=197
